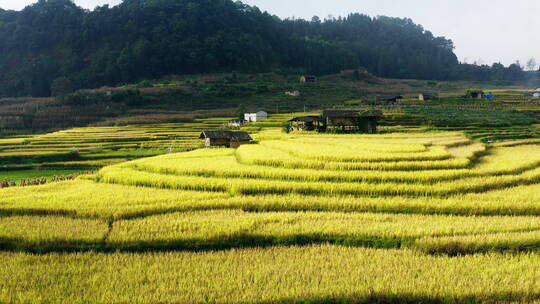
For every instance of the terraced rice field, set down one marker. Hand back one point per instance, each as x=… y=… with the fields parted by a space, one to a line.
x=91 y=148
x=296 y=218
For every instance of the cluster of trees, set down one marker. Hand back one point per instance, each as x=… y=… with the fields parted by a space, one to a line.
x=495 y=72
x=54 y=46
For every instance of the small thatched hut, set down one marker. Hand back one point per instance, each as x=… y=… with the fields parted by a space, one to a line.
x=228 y=139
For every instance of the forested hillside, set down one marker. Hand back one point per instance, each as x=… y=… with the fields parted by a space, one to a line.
x=55 y=43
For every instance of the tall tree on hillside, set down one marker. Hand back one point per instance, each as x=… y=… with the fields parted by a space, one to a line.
x=61 y=86
x=531 y=64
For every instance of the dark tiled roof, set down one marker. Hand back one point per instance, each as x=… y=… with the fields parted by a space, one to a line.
x=225 y=135
x=352 y=113
x=306 y=119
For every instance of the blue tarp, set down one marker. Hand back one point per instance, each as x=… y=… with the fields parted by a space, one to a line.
x=489 y=96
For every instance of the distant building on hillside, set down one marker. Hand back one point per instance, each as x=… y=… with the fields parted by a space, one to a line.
x=308 y=78
x=227 y=139
x=255 y=116
x=350 y=120
x=424 y=97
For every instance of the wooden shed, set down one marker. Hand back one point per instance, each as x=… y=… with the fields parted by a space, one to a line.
x=352 y=120
x=307 y=123
x=227 y=139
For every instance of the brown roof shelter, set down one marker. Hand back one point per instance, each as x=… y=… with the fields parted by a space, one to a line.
x=228 y=139
x=352 y=120
x=307 y=119
x=352 y=113
x=308 y=123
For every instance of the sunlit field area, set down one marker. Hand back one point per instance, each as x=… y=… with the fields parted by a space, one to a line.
x=431 y=216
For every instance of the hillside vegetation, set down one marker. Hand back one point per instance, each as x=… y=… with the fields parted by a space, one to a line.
x=54 y=46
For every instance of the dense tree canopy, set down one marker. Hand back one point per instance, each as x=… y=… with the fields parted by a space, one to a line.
x=54 y=43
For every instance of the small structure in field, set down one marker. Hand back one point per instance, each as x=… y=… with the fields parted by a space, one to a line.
x=424 y=97
x=293 y=93
x=308 y=78
x=307 y=123
x=236 y=123
x=255 y=116
x=395 y=98
x=476 y=94
x=227 y=139
x=350 y=120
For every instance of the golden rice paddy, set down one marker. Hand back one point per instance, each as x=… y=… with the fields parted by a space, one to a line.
x=301 y=218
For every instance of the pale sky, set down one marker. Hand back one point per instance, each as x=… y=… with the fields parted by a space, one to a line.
x=484 y=31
